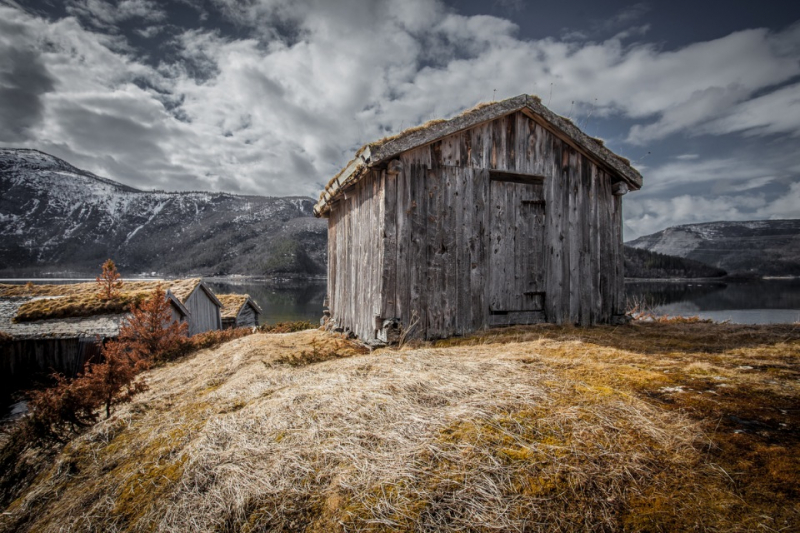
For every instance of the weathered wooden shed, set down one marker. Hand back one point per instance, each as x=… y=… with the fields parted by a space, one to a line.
x=205 y=309
x=32 y=350
x=238 y=311
x=506 y=214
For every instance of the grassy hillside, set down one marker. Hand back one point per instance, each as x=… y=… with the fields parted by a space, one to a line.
x=650 y=427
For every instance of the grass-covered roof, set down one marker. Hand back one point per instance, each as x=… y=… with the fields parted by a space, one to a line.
x=383 y=150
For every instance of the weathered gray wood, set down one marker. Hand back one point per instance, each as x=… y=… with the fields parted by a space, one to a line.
x=450 y=228
x=204 y=312
x=462 y=226
x=247 y=317
x=355 y=258
x=418 y=256
x=390 y=261
x=404 y=264
x=504 y=223
x=433 y=262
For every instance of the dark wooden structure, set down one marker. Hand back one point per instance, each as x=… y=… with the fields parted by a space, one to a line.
x=31 y=351
x=205 y=309
x=506 y=214
x=239 y=311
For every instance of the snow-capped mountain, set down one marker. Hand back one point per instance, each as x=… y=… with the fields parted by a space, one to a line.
x=763 y=247
x=57 y=218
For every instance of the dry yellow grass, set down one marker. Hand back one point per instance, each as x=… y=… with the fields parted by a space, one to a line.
x=73 y=300
x=75 y=306
x=181 y=288
x=231 y=304
x=639 y=428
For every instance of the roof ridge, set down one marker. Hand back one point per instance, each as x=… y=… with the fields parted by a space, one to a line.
x=385 y=149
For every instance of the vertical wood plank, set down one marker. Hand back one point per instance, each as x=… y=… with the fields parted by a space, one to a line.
x=389 y=271
x=480 y=249
x=418 y=252
x=432 y=256
x=463 y=229
x=450 y=229
x=404 y=265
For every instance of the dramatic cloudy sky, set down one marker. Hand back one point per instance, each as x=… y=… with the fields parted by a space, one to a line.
x=272 y=97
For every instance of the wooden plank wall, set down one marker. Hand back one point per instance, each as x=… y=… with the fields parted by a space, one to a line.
x=436 y=271
x=247 y=317
x=355 y=257
x=22 y=362
x=204 y=314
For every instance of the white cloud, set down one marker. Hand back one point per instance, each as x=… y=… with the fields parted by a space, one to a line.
x=785 y=206
x=773 y=113
x=727 y=172
x=282 y=110
x=693 y=190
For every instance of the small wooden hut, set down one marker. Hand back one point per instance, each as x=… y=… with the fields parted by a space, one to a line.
x=205 y=309
x=239 y=311
x=32 y=350
x=506 y=214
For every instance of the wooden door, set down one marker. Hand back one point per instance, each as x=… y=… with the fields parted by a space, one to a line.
x=516 y=263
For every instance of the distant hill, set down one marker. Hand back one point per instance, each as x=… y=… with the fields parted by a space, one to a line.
x=646 y=264
x=54 y=216
x=761 y=247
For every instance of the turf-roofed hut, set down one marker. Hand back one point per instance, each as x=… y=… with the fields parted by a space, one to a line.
x=506 y=214
x=205 y=309
x=58 y=328
x=239 y=311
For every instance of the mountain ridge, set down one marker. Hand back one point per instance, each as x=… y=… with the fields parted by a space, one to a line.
x=752 y=247
x=53 y=213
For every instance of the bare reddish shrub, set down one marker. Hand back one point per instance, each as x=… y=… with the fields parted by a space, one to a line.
x=109 y=281
x=150 y=331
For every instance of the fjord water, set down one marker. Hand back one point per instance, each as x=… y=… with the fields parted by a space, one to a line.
x=280 y=302
x=769 y=301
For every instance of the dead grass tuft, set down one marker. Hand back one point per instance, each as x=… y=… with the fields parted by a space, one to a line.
x=323 y=349
x=649 y=427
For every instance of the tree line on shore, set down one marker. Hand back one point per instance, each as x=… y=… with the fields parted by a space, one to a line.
x=641 y=263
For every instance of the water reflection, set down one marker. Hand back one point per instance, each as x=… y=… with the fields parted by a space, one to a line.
x=759 y=302
x=280 y=301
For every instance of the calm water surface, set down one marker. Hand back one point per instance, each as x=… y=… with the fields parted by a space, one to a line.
x=759 y=302
x=775 y=301
x=280 y=302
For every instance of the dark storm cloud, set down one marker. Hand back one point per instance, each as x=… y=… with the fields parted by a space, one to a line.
x=23 y=81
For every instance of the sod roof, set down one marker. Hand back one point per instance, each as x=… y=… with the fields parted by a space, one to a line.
x=181 y=288
x=232 y=304
x=42 y=306
x=103 y=325
x=382 y=151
